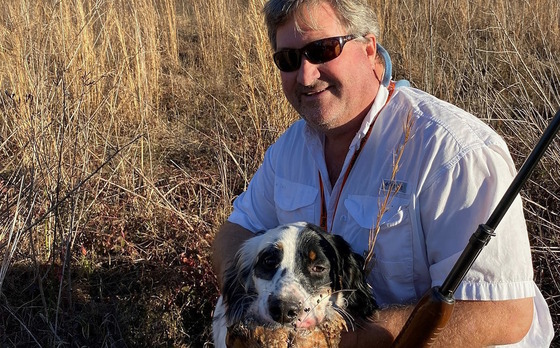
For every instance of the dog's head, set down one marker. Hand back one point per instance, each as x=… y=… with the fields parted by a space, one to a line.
x=296 y=275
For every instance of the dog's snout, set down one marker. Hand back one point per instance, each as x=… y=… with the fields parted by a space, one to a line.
x=283 y=311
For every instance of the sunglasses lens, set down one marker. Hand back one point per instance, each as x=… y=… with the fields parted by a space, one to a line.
x=323 y=51
x=316 y=52
x=287 y=60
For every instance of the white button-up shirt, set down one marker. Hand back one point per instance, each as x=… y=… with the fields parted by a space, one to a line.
x=450 y=173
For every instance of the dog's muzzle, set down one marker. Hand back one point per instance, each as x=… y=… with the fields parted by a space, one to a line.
x=284 y=311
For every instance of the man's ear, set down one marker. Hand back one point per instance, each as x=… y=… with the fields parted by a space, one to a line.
x=375 y=60
x=371 y=49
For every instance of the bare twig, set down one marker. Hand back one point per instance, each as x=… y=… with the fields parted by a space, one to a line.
x=14 y=235
x=391 y=190
x=79 y=185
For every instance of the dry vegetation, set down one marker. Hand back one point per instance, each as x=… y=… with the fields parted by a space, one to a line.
x=127 y=128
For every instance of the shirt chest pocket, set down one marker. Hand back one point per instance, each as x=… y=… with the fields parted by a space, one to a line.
x=294 y=201
x=392 y=275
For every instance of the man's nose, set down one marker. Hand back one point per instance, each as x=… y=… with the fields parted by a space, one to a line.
x=308 y=72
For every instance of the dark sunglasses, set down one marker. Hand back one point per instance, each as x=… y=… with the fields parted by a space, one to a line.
x=316 y=52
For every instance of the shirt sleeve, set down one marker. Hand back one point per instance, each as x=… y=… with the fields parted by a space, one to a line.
x=254 y=209
x=462 y=197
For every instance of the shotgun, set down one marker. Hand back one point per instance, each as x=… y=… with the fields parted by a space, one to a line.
x=432 y=312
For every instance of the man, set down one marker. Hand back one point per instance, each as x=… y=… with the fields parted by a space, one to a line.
x=361 y=143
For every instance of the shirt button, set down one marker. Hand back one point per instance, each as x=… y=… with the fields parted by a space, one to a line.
x=343 y=218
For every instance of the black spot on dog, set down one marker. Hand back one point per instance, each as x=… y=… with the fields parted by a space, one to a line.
x=268 y=262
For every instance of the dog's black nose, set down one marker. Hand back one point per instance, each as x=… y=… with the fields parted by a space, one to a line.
x=283 y=311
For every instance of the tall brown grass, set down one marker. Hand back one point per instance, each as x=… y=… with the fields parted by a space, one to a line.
x=127 y=128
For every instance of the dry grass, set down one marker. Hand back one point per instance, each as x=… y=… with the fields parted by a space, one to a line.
x=127 y=127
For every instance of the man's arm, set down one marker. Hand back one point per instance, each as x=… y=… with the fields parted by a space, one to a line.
x=227 y=241
x=472 y=324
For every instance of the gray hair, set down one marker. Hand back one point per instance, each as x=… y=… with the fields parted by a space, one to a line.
x=356 y=16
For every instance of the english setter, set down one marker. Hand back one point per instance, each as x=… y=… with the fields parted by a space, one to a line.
x=295 y=275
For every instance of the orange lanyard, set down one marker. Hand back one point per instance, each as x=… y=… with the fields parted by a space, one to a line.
x=323 y=221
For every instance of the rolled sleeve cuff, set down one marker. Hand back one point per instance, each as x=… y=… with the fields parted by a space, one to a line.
x=484 y=291
x=244 y=221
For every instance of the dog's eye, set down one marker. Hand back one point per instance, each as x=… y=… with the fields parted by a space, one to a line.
x=318 y=269
x=271 y=259
x=270 y=262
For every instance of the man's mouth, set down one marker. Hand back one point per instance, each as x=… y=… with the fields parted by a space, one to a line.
x=312 y=93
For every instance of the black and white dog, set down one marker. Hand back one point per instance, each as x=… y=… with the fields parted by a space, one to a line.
x=295 y=275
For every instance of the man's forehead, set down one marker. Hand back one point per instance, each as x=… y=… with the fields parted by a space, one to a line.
x=309 y=22
x=314 y=17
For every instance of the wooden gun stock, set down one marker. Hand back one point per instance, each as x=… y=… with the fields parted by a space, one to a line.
x=428 y=318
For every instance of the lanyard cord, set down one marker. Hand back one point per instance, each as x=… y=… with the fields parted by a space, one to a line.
x=323 y=221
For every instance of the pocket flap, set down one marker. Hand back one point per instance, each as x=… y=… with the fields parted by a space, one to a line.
x=290 y=196
x=364 y=210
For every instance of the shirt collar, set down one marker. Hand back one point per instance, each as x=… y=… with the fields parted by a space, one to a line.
x=378 y=104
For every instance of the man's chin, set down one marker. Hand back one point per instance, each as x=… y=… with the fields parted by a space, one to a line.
x=319 y=121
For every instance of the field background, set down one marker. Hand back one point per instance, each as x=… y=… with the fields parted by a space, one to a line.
x=127 y=127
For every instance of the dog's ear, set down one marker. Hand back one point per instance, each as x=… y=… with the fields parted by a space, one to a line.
x=351 y=266
x=238 y=290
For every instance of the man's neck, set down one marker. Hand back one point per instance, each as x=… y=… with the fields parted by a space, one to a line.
x=337 y=144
